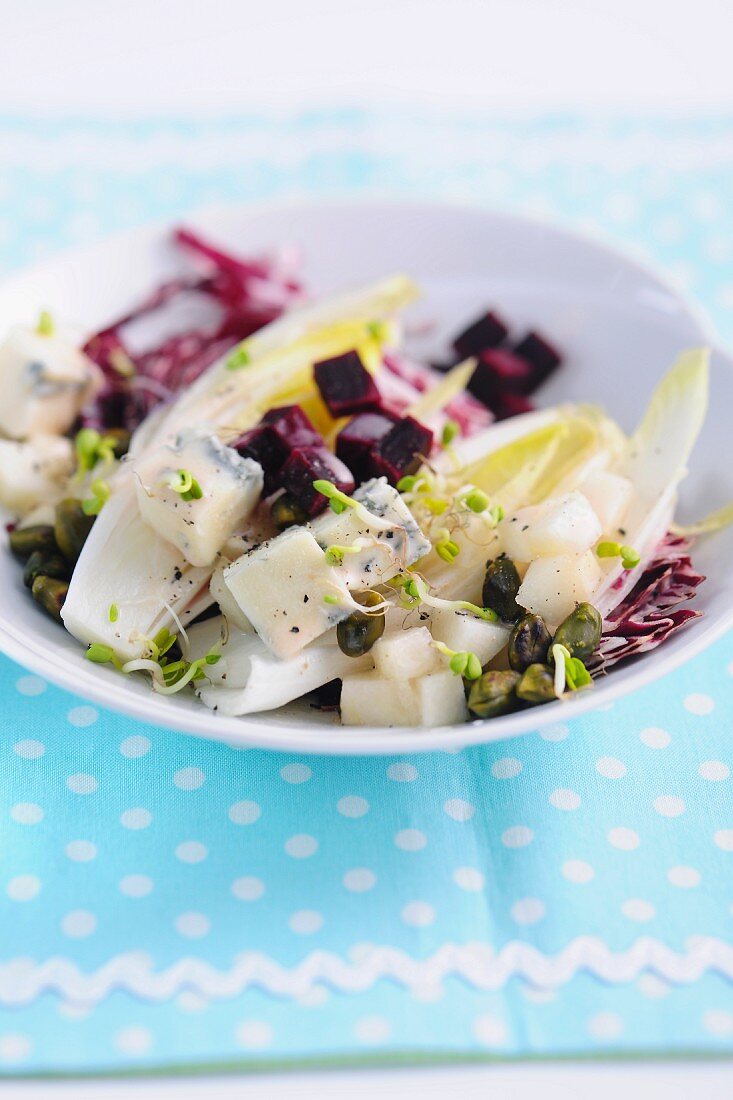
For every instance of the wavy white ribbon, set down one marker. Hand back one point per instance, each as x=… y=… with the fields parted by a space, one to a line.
x=477 y=964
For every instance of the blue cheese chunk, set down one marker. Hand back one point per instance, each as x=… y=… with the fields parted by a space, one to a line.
x=34 y=472
x=198 y=526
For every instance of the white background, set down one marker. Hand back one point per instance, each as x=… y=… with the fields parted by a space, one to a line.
x=226 y=56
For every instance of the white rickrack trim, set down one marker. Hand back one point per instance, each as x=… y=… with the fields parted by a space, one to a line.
x=478 y=964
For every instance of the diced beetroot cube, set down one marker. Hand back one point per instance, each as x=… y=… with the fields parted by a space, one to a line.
x=346 y=385
x=292 y=426
x=356 y=439
x=498 y=371
x=308 y=464
x=265 y=446
x=399 y=452
x=506 y=404
x=487 y=331
x=543 y=357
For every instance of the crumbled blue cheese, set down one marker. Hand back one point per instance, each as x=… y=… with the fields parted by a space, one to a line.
x=33 y=473
x=230 y=487
x=45 y=381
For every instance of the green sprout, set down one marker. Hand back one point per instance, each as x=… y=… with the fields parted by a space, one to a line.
x=45 y=326
x=185 y=484
x=445 y=547
x=239 y=358
x=94 y=504
x=449 y=433
x=92 y=448
x=114 y=613
x=461 y=663
x=99 y=654
x=629 y=557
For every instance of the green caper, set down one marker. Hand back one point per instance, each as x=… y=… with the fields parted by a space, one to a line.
x=286 y=512
x=580 y=633
x=71 y=528
x=537 y=685
x=529 y=642
x=357 y=634
x=501 y=585
x=120 y=440
x=493 y=694
x=50 y=594
x=40 y=564
x=25 y=540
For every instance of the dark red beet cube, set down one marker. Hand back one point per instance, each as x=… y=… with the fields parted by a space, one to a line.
x=401 y=450
x=308 y=464
x=508 y=404
x=356 y=439
x=292 y=426
x=346 y=385
x=270 y=443
x=498 y=371
x=487 y=331
x=543 y=357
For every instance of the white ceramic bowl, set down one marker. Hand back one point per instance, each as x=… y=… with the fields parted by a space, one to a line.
x=620 y=325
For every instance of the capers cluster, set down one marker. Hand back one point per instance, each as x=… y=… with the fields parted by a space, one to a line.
x=51 y=552
x=529 y=681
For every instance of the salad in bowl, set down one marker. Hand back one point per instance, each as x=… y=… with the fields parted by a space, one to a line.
x=276 y=501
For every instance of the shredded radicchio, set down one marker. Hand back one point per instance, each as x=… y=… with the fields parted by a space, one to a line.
x=242 y=295
x=405 y=378
x=645 y=617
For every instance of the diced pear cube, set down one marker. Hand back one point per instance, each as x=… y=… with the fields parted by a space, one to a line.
x=566 y=526
x=406 y=654
x=609 y=496
x=34 y=472
x=369 y=699
x=231 y=487
x=553 y=586
x=441 y=700
x=228 y=606
x=465 y=633
x=281 y=588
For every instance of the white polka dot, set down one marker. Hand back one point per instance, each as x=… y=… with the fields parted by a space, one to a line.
x=517 y=836
x=669 y=805
x=639 y=910
x=557 y=732
x=136 y=818
x=191 y=851
x=29 y=749
x=459 y=809
x=718 y=1023
x=78 y=924
x=248 y=888
x=81 y=851
x=305 y=922
x=655 y=738
x=372 y=1029
x=605 y=1025
x=491 y=1031
x=189 y=779
x=296 y=773
x=624 y=838
x=577 y=870
x=132 y=747
x=244 y=813
x=402 y=773
x=724 y=839
x=506 y=768
x=352 y=805
x=650 y=985
x=565 y=799
x=359 y=880
x=23 y=887
x=684 y=877
x=31 y=685
x=410 y=840
x=14 y=1047
x=610 y=767
x=699 y=704
x=714 y=770
x=82 y=716
x=468 y=878
x=254 y=1034
x=301 y=846
x=528 y=911
x=82 y=783
x=192 y=925
x=26 y=813
x=188 y=1001
x=135 y=886
x=418 y=914
x=133 y=1040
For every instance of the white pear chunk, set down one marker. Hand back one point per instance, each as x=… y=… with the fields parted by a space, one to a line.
x=45 y=381
x=406 y=654
x=369 y=699
x=566 y=526
x=609 y=495
x=441 y=700
x=282 y=587
x=230 y=486
x=552 y=586
x=228 y=606
x=34 y=472
x=465 y=633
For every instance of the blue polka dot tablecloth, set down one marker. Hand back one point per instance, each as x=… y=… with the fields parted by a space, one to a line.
x=166 y=902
